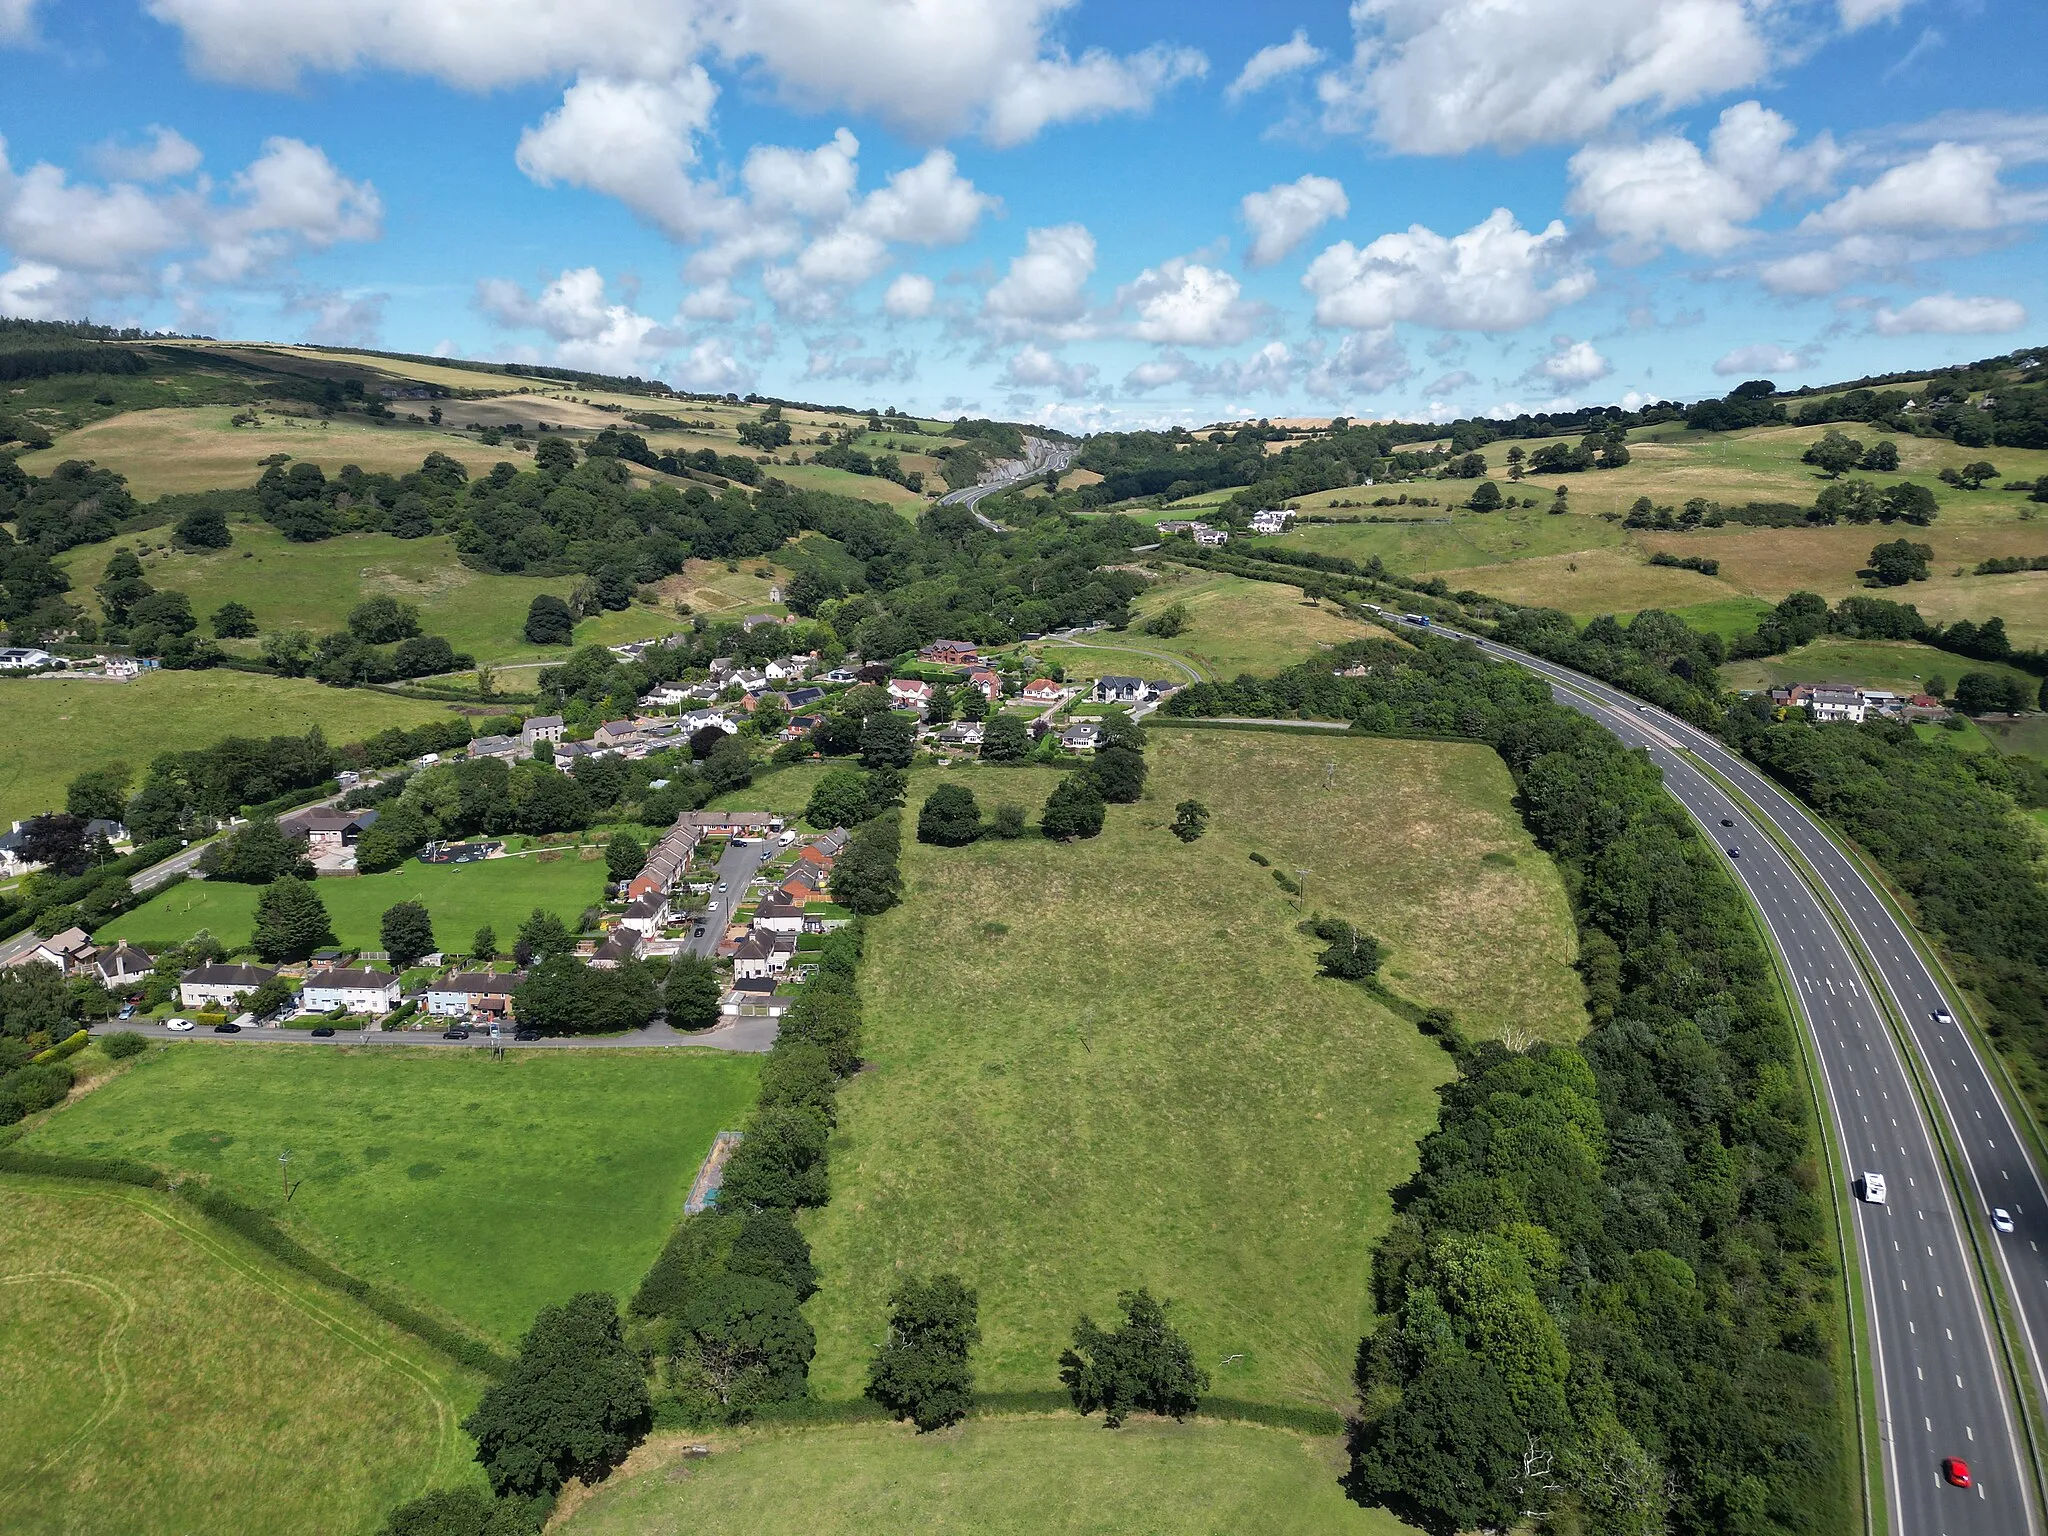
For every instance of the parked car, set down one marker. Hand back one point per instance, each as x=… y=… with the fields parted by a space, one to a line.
x=127 y=1010
x=178 y=1026
x=227 y=1027
x=526 y=1034
x=323 y=1031
x=457 y=1033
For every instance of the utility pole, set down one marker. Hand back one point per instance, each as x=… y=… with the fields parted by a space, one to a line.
x=284 y=1163
x=1300 y=889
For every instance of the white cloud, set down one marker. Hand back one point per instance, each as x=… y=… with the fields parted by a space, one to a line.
x=1032 y=367
x=1948 y=314
x=1364 y=363
x=1444 y=77
x=339 y=319
x=1666 y=192
x=1952 y=187
x=17 y=25
x=292 y=196
x=840 y=358
x=714 y=301
x=1571 y=364
x=1495 y=276
x=44 y=217
x=1450 y=383
x=1183 y=303
x=1274 y=62
x=930 y=203
x=811 y=184
x=1857 y=14
x=588 y=330
x=1759 y=358
x=35 y=290
x=710 y=367
x=1046 y=288
x=1270 y=370
x=167 y=155
x=930 y=67
x=633 y=140
x=910 y=297
x=1284 y=215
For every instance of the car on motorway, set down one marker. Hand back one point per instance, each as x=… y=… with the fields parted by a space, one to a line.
x=227 y=1027
x=457 y=1033
x=1734 y=853
x=178 y=1026
x=1955 y=1471
x=2001 y=1218
x=1642 y=709
x=1870 y=1189
x=323 y=1031
x=1727 y=821
x=1943 y=1016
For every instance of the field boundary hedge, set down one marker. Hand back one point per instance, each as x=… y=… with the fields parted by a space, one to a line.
x=810 y=1411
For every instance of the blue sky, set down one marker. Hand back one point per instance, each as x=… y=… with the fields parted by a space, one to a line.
x=1090 y=214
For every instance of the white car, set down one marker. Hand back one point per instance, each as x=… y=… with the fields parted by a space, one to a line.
x=721 y=887
x=178 y=1026
x=2001 y=1218
x=1870 y=1188
x=1943 y=1016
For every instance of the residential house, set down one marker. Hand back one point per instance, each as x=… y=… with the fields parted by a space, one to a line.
x=802 y=698
x=71 y=951
x=1119 y=690
x=828 y=846
x=1271 y=520
x=748 y=682
x=960 y=735
x=1082 y=736
x=1211 y=536
x=568 y=753
x=616 y=733
x=951 y=653
x=1160 y=687
x=370 y=993
x=787 y=669
x=801 y=725
x=841 y=676
x=909 y=692
x=756 y=620
x=21 y=658
x=497 y=746
x=804 y=881
x=664 y=696
x=986 y=683
x=328 y=830
x=121 y=968
x=1179 y=525
x=472 y=995
x=619 y=946
x=221 y=984
x=731 y=823
x=541 y=728
x=763 y=954
x=697 y=719
x=754 y=999
x=647 y=914
x=1824 y=702
x=13 y=859
x=1043 y=690
x=778 y=914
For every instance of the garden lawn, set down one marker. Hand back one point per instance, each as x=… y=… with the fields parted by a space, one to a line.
x=1112 y=1063
x=158 y=1377
x=487 y=1189
x=461 y=898
x=994 y=1476
x=53 y=729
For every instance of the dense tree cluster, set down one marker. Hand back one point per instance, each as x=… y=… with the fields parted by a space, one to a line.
x=921 y=1372
x=1143 y=1363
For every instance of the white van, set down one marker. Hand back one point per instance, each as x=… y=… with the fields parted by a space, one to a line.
x=1870 y=1189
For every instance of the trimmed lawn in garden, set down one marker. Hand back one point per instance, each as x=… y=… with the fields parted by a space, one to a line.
x=992 y=1476
x=461 y=898
x=1112 y=1063
x=485 y=1188
x=158 y=1376
x=53 y=729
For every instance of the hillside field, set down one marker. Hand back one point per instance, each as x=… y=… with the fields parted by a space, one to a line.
x=1238 y=625
x=461 y=897
x=1901 y=665
x=160 y=1377
x=1112 y=1063
x=1003 y=1477
x=486 y=1189
x=54 y=728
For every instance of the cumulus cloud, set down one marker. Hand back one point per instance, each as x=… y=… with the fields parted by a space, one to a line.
x=1857 y=14
x=910 y=297
x=714 y=301
x=1032 y=367
x=1045 y=288
x=291 y=197
x=1183 y=303
x=167 y=155
x=929 y=68
x=1450 y=383
x=1948 y=314
x=1443 y=77
x=1495 y=276
x=810 y=184
x=1364 y=363
x=710 y=367
x=931 y=203
x=1950 y=187
x=634 y=140
x=1666 y=192
x=1760 y=358
x=1274 y=62
x=840 y=357
x=588 y=329
x=1284 y=215
x=1270 y=370
x=45 y=217
x=1571 y=364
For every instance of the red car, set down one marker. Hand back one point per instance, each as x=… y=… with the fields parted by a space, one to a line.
x=1956 y=1470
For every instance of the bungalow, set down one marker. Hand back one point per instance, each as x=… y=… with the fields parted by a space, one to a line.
x=800 y=698
x=1043 y=690
x=1119 y=690
x=828 y=845
x=330 y=830
x=21 y=658
x=70 y=951
x=778 y=914
x=961 y=734
x=541 y=728
x=909 y=692
x=472 y=995
x=371 y=993
x=801 y=725
x=647 y=915
x=222 y=984
x=841 y=676
x=619 y=946
x=121 y=969
x=568 y=753
x=496 y=746
x=754 y=999
x=803 y=882
x=763 y=954
x=1211 y=536
x=756 y=620
x=951 y=653
x=986 y=683
x=731 y=823
x=1082 y=736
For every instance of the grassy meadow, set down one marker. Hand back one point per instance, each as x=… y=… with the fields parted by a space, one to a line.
x=53 y=729
x=1003 y=1477
x=160 y=1377
x=1902 y=665
x=461 y=897
x=1238 y=625
x=486 y=1189
x=1112 y=1063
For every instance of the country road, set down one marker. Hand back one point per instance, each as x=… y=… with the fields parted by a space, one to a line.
x=1937 y=1358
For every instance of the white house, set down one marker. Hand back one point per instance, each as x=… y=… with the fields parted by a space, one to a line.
x=697 y=719
x=763 y=954
x=1120 y=690
x=1081 y=737
x=664 y=696
x=1043 y=691
x=647 y=915
x=471 y=995
x=1829 y=704
x=1211 y=536
x=909 y=692
x=221 y=984
x=13 y=861
x=372 y=993
x=70 y=951
x=777 y=915
x=541 y=728
x=1271 y=520
x=121 y=968
x=21 y=658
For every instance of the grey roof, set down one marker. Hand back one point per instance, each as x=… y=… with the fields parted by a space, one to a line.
x=477 y=982
x=647 y=905
x=541 y=722
x=123 y=957
x=488 y=746
x=349 y=980
x=228 y=975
